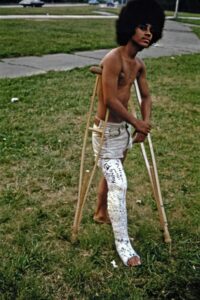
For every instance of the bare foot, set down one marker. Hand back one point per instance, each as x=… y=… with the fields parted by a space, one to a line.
x=134 y=261
x=101 y=219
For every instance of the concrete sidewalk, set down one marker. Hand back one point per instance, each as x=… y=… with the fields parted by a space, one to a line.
x=177 y=39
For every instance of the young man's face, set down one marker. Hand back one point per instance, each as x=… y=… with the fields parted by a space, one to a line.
x=143 y=35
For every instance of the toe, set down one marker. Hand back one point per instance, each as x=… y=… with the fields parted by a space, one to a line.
x=134 y=261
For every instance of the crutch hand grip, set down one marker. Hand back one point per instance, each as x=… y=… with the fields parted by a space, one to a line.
x=96 y=70
x=97 y=130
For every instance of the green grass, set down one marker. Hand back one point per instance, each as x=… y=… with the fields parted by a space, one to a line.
x=185 y=17
x=40 y=37
x=189 y=21
x=69 y=10
x=197 y=31
x=182 y=14
x=72 y=10
x=36 y=37
x=185 y=14
x=40 y=144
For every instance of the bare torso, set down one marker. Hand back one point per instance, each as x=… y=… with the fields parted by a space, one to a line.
x=126 y=71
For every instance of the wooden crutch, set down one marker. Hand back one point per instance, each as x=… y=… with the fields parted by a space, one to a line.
x=143 y=150
x=85 y=180
x=153 y=175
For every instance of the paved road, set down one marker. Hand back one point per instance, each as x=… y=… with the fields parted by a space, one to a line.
x=177 y=39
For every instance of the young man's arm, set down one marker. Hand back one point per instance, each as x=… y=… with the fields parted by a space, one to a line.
x=146 y=104
x=110 y=75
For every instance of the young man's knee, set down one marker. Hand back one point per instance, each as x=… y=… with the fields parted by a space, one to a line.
x=118 y=189
x=121 y=187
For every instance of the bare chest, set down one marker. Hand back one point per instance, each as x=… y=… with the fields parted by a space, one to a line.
x=128 y=74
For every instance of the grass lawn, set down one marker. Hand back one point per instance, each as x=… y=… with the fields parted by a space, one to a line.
x=39 y=37
x=190 y=22
x=36 y=37
x=69 y=10
x=197 y=31
x=182 y=14
x=40 y=143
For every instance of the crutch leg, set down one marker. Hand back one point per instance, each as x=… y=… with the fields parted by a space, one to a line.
x=80 y=205
x=83 y=178
x=160 y=205
x=86 y=135
x=86 y=186
x=153 y=174
x=85 y=183
x=144 y=154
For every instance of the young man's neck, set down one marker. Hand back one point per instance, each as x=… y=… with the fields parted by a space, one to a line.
x=130 y=50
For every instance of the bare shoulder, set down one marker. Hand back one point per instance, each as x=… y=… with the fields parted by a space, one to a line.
x=141 y=64
x=112 y=60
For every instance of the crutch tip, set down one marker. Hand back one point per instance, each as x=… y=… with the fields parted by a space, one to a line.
x=73 y=240
x=167 y=239
x=74 y=237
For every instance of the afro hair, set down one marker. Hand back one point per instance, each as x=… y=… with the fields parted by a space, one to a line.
x=137 y=12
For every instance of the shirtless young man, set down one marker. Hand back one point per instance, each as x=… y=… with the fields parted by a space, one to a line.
x=139 y=25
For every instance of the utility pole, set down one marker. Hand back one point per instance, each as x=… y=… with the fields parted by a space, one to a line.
x=176 y=9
